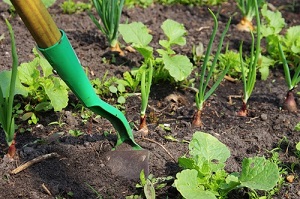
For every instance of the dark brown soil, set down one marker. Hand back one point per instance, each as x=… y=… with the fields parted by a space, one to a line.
x=82 y=163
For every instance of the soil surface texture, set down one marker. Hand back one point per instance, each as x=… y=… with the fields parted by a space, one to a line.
x=81 y=167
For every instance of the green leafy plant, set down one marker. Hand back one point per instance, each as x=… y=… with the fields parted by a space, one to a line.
x=271 y=29
x=7 y=94
x=141 y=3
x=70 y=7
x=168 y=64
x=203 y=94
x=45 y=91
x=47 y=3
x=249 y=81
x=75 y=133
x=204 y=176
x=247 y=8
x=149 y=184
x=289 y=102
x=109 y=12
x=146 y=82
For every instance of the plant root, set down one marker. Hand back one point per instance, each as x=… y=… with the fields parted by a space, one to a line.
x=243 y=112
x=197 y=122
x=289 y=102
x=34 y=161
x=117 y=48
x=162 y=146
x=245 y=25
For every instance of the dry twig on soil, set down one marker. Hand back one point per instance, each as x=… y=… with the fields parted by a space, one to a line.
x=34 y=161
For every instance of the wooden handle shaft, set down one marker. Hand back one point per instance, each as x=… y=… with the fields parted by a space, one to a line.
x=38 y=21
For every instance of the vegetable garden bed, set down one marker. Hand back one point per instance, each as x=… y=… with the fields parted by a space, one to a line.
x=81 y=139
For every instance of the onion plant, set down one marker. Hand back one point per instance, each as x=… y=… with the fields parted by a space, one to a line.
x=203 y=94
x=289 y=103
x=249 y=81
x=146 y=82
x=247 y=8
x=7 y=120
x=109 y=12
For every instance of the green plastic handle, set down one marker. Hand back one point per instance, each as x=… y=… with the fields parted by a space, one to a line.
x=64 y=60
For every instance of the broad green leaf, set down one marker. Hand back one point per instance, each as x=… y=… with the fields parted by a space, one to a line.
x=298 y=146
x=292 y=39
x=135 y=33
x=28 y=72
x=149 y=190
x=179 y=66
x=259 y=173
x=46 y=67
x=5 y=84
x=188 y=185
x=187 y=163
x=273 y=22
x=209 y=147
x=57 y=93
x=264 y=66
x=175 y=33
x=121 y=100
x=113 y=89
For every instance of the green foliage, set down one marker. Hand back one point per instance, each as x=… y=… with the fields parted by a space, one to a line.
x=294 y=81
x=204 y=175
x=202 y=95
x=247 y=7
x=141 y=3
x=109 y=12
x=104 y=87
x=168 y=63
x=44 y=89
x=249 y=81
x=7 y=119
x=70 y=7
x=271 y=29
x=75 y=133
x=149 y=185
x=47 y=3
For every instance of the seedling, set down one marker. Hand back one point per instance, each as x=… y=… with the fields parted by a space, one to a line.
x=75 y=133
x=46 y=91
x=109 y=12
x=204 y=175
x=7 y=119
x=169 y=64
x=149 y=184
x=247 y=8
x=289 y=102
x=249 y=81
x=146 y=83
x=202 y=95
x=71 y=7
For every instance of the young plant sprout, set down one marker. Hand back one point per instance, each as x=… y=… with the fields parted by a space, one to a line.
x=249 y=81
x=109 y=12
x=146 y=81
x=247 y=8
x=202 y=95
x=289 y=102
x=7 y=119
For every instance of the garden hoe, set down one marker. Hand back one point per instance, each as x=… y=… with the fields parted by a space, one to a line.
x=56 y=48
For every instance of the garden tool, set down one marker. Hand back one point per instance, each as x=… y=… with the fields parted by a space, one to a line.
x=56 y=48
